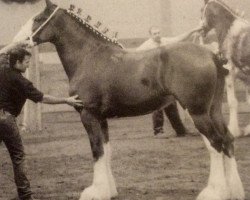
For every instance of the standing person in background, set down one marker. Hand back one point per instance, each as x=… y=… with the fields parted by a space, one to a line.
x=171 y=110
x=14 y=90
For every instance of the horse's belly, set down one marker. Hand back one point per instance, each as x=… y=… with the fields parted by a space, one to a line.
x=141 y=108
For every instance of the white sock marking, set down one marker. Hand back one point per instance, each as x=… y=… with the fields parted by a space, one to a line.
x=216 y=188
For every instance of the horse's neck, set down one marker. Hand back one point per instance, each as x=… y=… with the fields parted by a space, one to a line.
x=221 y=32
x=72 y=47
x=222 y=28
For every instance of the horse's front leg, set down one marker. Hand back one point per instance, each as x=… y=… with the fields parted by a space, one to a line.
x=233 y=125
x=108 y=155
x=100 y=188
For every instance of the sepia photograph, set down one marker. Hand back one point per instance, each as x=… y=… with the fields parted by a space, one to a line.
x=124 y=100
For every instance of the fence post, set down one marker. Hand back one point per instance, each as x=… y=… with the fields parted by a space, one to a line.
x=32 y=119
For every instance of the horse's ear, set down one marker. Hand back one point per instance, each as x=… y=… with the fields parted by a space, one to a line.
x=48 y=3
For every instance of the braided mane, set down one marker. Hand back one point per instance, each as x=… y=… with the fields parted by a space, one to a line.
x=94 y=30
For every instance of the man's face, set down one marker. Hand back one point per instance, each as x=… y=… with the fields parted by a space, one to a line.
x=156 y=35
x=22 y=66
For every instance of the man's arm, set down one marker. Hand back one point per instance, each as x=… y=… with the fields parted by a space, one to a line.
x=72 y=101
x=145 y=46
x=30 y=92
x=184 y=36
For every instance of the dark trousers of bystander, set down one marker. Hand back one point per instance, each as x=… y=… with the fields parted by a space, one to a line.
x=10 y=135
x=172 y=113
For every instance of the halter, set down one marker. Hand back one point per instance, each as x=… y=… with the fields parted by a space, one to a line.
x=43 y=24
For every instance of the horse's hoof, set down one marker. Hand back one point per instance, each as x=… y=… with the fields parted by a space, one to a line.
x=237 y=192
x=209 y=193
x=94 y=193
x=114 y=193
x=235 y=131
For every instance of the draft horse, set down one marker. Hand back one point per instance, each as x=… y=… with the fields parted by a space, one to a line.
x=233 y=34
x=112 y=81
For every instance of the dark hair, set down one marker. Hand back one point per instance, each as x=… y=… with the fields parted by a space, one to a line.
x=17 y=54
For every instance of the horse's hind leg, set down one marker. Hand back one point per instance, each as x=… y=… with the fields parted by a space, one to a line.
x=223 y=169
x=233 y=181
x=224 y=182
x=100 y=188
x=216 y=188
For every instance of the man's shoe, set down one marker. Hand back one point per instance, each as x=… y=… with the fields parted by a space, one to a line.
x=28 y=198
x=181 y=134
x=158 y=132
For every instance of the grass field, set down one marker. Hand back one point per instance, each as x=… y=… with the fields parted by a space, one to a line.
x=59 y=161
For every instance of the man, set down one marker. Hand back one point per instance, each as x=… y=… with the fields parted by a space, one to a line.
x=14 y=90
x=171 y=111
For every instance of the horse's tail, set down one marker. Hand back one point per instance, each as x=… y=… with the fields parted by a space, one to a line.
x=219 y=61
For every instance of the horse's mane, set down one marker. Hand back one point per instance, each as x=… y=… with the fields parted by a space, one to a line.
x=226 y=6
x=93 y=29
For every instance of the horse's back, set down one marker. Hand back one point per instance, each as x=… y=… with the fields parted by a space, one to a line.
x=190 y=56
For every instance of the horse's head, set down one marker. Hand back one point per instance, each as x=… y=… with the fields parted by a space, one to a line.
x=39 y=29
x=216 y=14
x=208 y=16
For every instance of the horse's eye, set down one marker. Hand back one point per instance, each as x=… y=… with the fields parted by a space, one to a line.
x=36 y=20
x=39 y=19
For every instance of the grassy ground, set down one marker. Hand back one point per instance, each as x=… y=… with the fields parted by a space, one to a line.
x=59 y=161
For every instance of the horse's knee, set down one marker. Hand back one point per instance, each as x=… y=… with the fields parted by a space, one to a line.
x=86 y=116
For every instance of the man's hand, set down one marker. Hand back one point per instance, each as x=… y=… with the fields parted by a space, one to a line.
x=74 y=101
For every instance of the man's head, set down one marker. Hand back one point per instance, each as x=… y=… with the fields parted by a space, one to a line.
x=19 y=59
x=155 y=33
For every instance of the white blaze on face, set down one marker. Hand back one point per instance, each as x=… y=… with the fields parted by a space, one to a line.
x=25 y=32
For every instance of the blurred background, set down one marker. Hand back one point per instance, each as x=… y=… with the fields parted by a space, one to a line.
x=131 y=18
